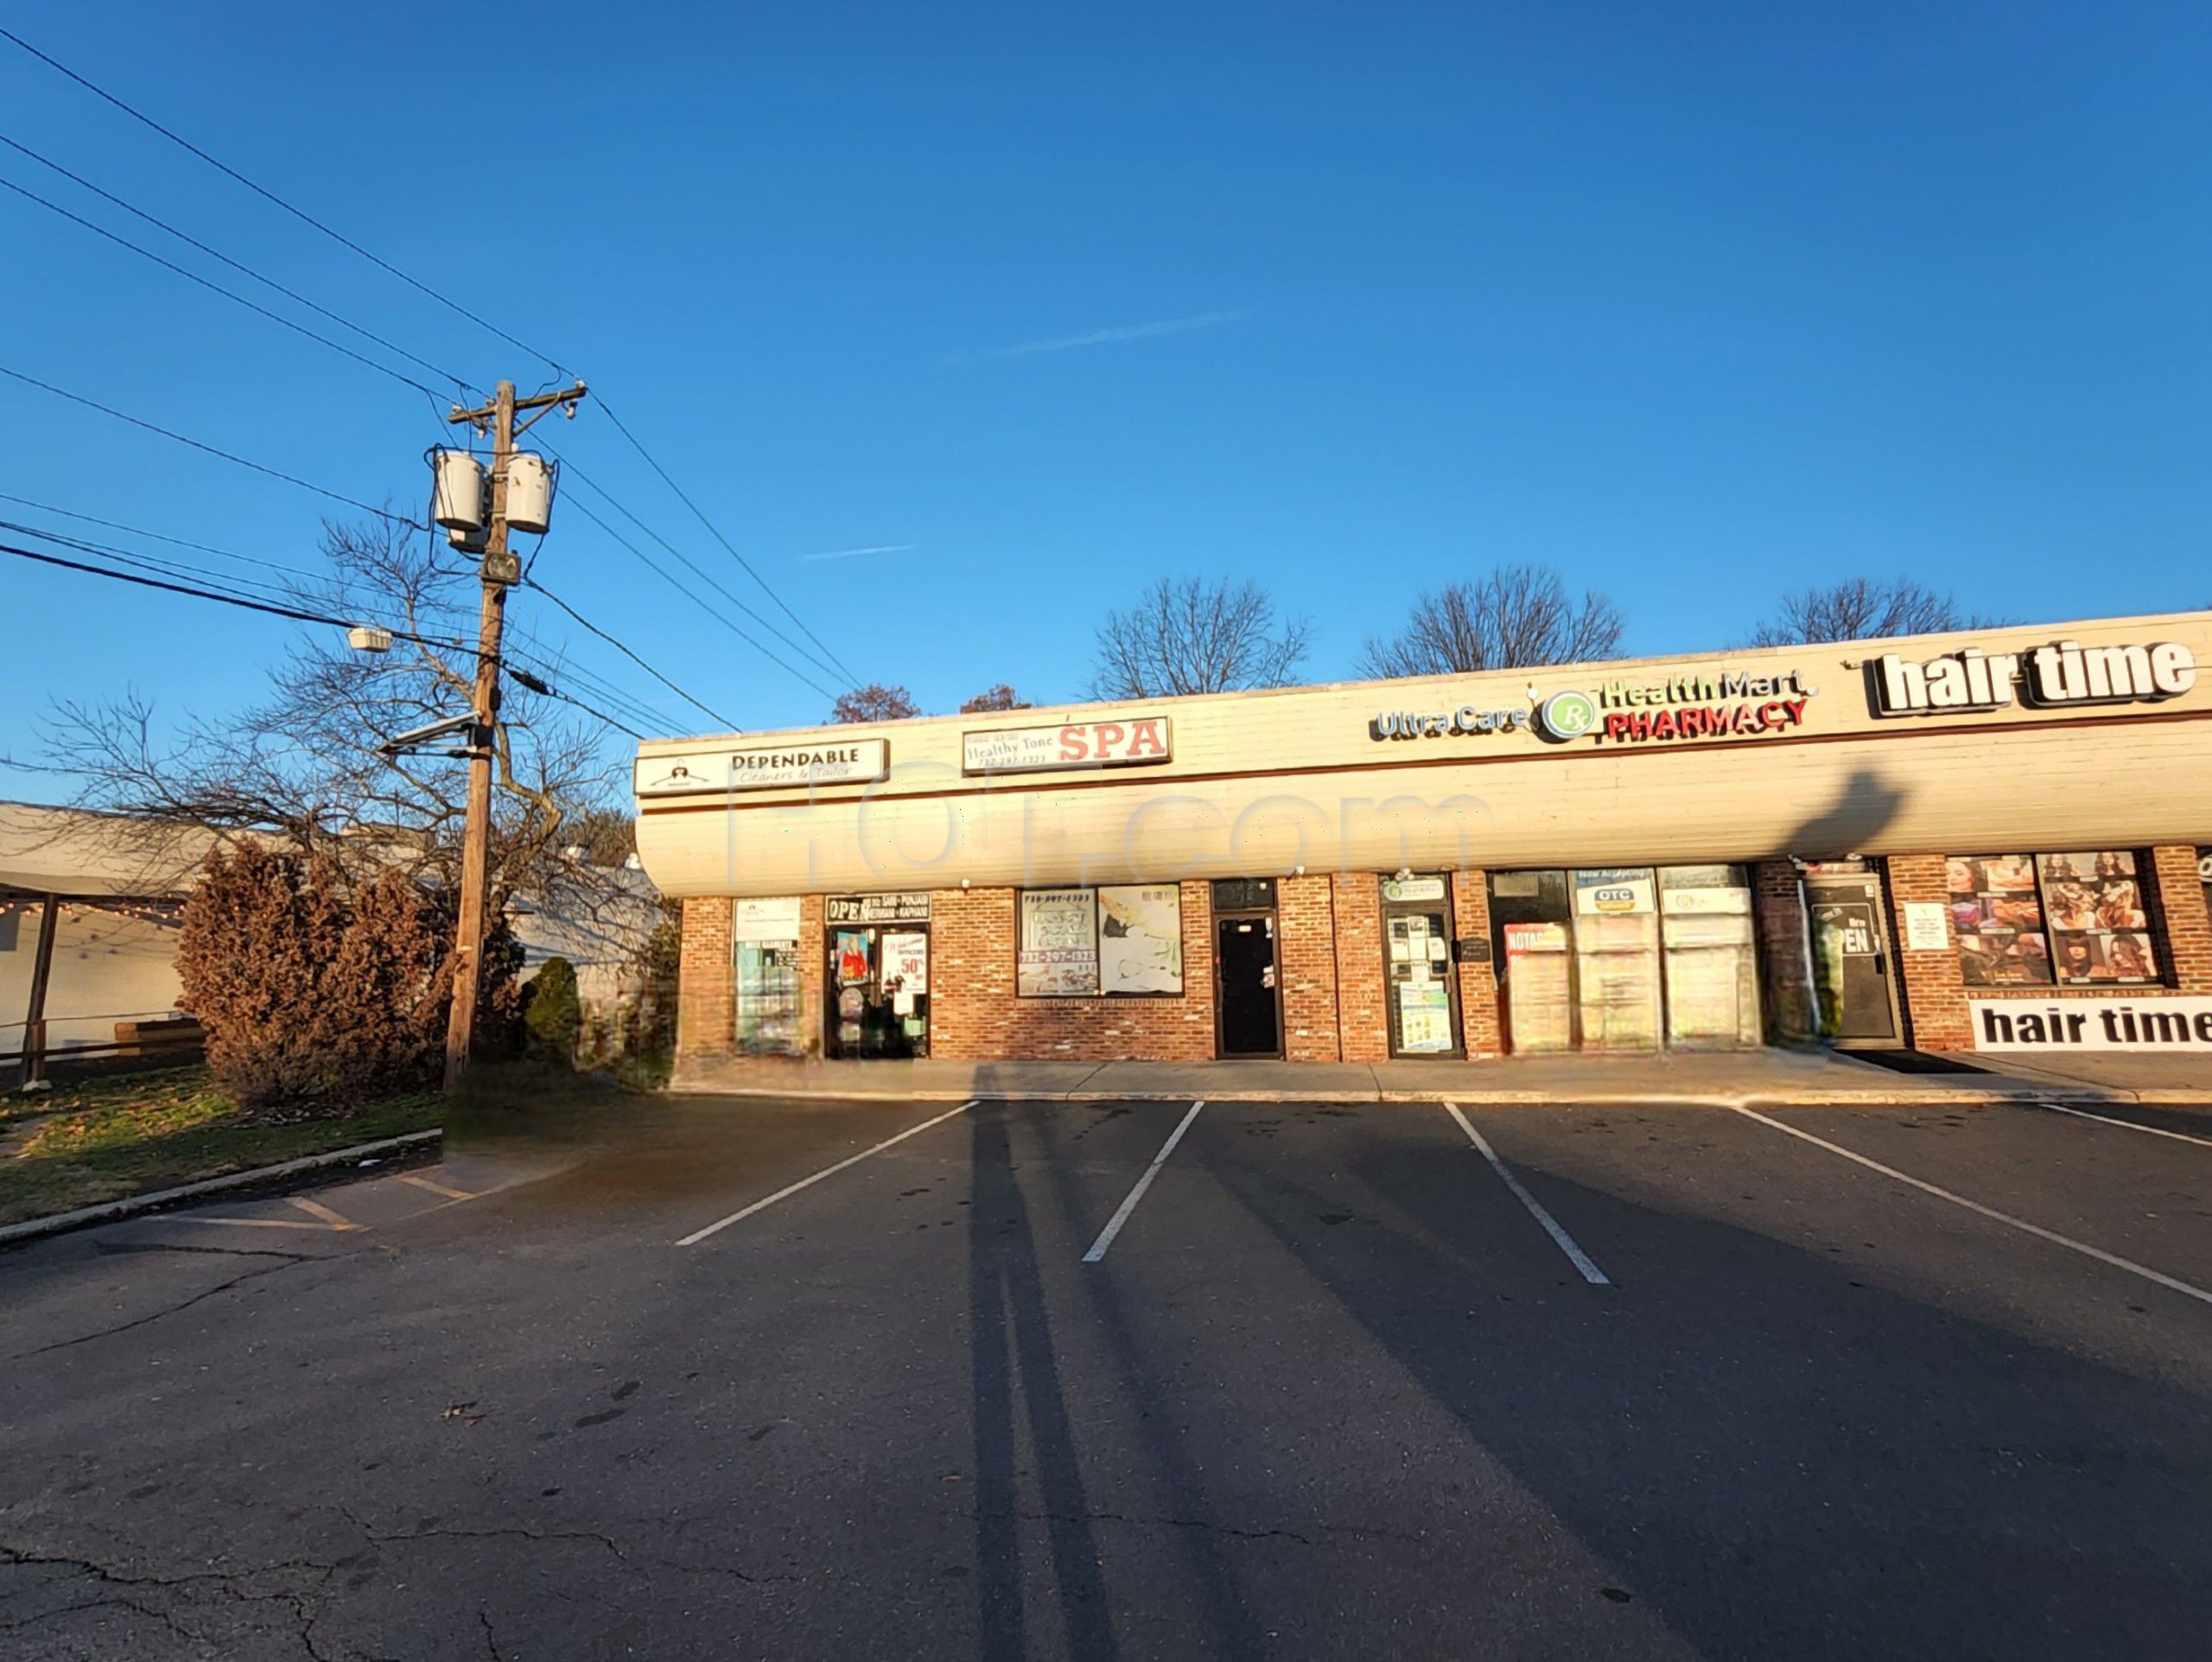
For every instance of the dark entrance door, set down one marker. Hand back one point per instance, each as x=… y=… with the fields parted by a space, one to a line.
x=1851 y=958
x=1244 y=979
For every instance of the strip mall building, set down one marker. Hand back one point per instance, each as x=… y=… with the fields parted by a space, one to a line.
x=1992 y=840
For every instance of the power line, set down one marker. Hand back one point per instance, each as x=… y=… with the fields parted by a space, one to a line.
x=633 y=657
x=621 y=427
x=293 y=613
x=151 y=563
x=134 y=531
x=554 y=667
x=236 y=266
x=839 y=665
x=262 y=191
x=691 y=565
x=213 y=287
x=662 y=572
x=136 y=421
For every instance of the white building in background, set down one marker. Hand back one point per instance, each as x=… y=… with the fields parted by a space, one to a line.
x=115 y=888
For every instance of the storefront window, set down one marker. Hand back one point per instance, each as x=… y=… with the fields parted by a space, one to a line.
x=766 y=941
x=2039 y=920
x=1244 y=893
x=1125 y=938
x=879 y=975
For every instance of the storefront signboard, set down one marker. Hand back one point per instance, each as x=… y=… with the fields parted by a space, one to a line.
x=1124 y=743
x=1058 y=952
x=2057 y=1029
x=845 y=762
x=1614 y=891
x=1412 y=888
x=1445 y=724
x=765 y=920
x=2064 y=674
x=1722 y=704
x=906 y=905
x=1140 y=939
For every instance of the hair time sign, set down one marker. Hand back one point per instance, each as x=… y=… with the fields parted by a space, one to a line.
x=2064 y=673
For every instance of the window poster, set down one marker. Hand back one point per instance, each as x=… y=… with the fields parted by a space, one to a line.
x=1424 y=1018
x=1140 y=939
x=2100 y=926
x=1056 y=956
x=1998 y=917
x=905 y=963
x=851 y=957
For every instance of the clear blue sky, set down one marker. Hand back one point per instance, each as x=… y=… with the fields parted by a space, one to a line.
x=1698 y=304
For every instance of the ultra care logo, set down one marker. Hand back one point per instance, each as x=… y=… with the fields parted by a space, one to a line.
x=2064 y=674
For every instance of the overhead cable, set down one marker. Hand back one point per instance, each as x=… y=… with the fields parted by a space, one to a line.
x=259 y=467
x=238 y=266
x=263 y=191
x=214 y=287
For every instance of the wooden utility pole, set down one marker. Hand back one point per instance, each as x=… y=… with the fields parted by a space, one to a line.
x=501 y=569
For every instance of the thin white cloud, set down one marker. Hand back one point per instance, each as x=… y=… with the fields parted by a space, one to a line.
x=855 y=553
x=1112 y=337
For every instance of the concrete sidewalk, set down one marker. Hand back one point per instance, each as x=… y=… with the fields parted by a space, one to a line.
x=1740 y=1078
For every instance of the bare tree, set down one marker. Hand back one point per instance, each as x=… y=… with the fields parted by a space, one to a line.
x=1515 y=617
x=1863 y=609
x=303 y=766
x=1001 y=696
x=875 y=702
x=1185 y=635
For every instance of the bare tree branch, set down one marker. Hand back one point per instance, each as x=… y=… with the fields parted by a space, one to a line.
x=1185 y=635
x=1863 y=609
x=1515 y=617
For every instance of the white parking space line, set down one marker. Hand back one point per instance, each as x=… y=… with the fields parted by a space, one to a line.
x=2129 y=1125
x=1128 y=1204
x=789 y=1189
x=1991 y=1212
x=1580 y=1259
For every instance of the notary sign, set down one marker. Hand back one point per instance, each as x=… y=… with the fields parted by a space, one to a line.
x=846 y=761
x=1124 y=742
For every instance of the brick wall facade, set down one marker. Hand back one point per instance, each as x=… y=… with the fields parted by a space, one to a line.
x=1480 y=1020
x=1305 y=964
x=1934 y=991
x=974 y=1015
x=1363 y=1011
x=706 y=1005
x=1788 y=1002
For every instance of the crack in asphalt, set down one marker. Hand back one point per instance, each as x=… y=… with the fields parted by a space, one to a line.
x=290 y=1261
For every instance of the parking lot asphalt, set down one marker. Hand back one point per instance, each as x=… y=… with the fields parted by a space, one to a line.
x=776 y=1380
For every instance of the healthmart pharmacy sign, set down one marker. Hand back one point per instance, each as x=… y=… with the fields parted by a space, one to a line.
x=2061 y=1027
x=1728 y=703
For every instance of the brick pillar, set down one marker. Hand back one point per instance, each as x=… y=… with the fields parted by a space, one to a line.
x=813 y=975
x=1792 y=1004
x=1363 y=1011
x=971 y=974
x=706 y=1005
x=2188 y=943
x=1195 y=1038
x=1306 y=958
x=1480 y=1020
x=1933 y=989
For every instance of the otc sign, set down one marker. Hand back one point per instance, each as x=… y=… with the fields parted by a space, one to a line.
x=849 y=761
x=1126 y=743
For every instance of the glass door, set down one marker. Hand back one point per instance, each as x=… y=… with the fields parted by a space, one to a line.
x=879 y=991
x=1244 y=976
x=1421 y=985
x=1851 y=958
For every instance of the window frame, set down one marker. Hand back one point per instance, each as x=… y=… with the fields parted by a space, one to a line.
x=2153 y=931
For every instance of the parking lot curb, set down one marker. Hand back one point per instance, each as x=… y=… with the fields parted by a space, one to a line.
x=131 y=1205
x=1955 y=1097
